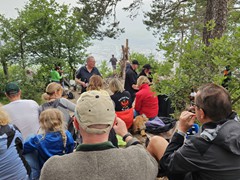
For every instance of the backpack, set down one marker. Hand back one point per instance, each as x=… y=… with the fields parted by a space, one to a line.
x=55 y=104
x=160 y=125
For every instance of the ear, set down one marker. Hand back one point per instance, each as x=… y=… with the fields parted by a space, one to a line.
x=202 y=114
x=75 y=123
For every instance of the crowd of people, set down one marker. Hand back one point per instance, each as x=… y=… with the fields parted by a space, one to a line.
x=35 y=142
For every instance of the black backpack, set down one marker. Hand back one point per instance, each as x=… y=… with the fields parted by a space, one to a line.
x=55 y=104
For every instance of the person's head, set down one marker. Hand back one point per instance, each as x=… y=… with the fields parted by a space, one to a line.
x=90 y=62
x=112 y=55
x=116 y=86
x=95 y=83
x=57 y=68
x=95 y=114
x=212 y=102
x=135 y=64
x=53 y=90
x=147 y=68
x=52 y=120
x=142 y=80
x=4 y=118
x=12 y=91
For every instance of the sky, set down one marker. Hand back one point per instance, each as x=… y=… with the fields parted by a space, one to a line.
x=140 y=40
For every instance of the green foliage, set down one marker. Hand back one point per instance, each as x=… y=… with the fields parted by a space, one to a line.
x=197 y=64
x=104 y=69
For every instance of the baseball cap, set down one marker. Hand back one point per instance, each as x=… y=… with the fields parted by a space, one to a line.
x=135 y=62
x=147 y=66
x=12 y=88
x=95 y=108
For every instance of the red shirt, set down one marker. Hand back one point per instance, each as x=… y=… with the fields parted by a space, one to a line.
x=146 y=101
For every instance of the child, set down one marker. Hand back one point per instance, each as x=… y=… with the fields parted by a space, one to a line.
x=54 y=140
x=12 y=163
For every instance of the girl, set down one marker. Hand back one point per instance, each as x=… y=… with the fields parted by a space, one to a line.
x=54 y=140
x=12 y=163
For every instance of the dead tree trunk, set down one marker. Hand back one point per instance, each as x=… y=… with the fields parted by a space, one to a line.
x=124 y=59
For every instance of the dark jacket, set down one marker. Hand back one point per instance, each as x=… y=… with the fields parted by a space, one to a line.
x=214 y=154
x=131 y=78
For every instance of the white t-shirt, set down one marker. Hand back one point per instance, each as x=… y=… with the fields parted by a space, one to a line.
x=24 y=114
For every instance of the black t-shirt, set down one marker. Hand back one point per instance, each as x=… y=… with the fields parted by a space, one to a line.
x=84 y=75
x=122 y=101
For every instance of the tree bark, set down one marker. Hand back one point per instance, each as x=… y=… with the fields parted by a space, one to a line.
x=215 y=20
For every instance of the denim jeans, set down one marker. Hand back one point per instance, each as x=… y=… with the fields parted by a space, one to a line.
x=32 y=159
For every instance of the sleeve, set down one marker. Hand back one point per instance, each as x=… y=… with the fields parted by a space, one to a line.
x=70 y=143
x=138 y=102
x=131 y=78
x=70 y=106
x=79 y=72
x=98 y=73
x=179 y=158
x=58 y=75
x=30 y=145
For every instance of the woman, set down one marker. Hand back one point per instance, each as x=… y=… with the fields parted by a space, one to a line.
x=12 y=163
x=53 y=96
x=146 y=101
x=123 y=102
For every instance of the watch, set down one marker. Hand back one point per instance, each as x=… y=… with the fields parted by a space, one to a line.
x=126 y=135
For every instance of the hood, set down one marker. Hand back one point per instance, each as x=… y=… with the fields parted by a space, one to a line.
x=226 y=135
x=144 y=86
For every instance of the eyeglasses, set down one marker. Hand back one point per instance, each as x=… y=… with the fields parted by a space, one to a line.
x=196 y=105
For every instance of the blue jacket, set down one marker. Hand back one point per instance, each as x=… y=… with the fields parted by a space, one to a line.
x=49 y=145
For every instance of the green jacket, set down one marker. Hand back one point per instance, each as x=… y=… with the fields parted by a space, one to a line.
x=55 y=76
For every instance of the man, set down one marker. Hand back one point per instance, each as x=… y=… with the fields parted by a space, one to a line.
x=85 y=72
x=23 y=113
x=131 y=79
x=146 y=71
x=96 y=157
x=212 y=154
x=113 y=61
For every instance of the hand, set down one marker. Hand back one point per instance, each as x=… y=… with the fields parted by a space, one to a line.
x=83 y=84
x=186 y=121
x=120 y=127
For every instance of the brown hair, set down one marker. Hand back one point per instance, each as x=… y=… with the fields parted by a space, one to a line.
x=95 y=83
x=50 y=90
x=4 y=118
x=215 y=101
x=52 y=120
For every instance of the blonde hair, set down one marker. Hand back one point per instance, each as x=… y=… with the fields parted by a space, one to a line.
x=52 y=120
x=4 y=118
x=50 y=90
x=116 y=86
x=142 y=80
x=95 y=83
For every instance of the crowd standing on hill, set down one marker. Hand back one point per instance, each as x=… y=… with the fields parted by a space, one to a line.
x=35 y=141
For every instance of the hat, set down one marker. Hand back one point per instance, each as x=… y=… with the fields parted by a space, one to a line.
x=12 y=88
x=95 y=108
x=147 y=66
x=135 y=62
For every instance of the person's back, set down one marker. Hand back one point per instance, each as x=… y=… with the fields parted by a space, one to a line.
x=23 y=113
x=111 y=163
x=146 y=100
x=12 y=163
